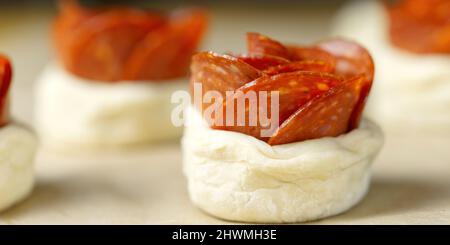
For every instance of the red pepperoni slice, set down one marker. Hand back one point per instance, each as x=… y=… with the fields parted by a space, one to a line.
x=306 y=65
x=295 y=89
x=166 y=53
x=352 y=60
x=190 y=26
x=104 y=41
x=142 y=62
x=261 y=45
x=323 y=116
x=420 y=26
x=311 y=54
x=5 y=83
x=70 y=17
x=263 y=62
x=220 y=73
x=355 y=119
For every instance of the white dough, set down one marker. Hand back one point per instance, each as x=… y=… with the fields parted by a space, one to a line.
x=72 y=112
x=411 y=91
x=238 y=177
x=17 y=151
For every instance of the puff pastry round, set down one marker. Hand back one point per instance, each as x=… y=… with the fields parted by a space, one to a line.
x=17 y=151
x=237 y=177
x=72 y=112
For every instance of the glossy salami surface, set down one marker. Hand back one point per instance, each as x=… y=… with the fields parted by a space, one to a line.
x=263 y=45
x=5 y=83
x=295 y=90
x=420 y=26
x=221 y=72
x=118 y=43
x=326 y=115
x=321 y=88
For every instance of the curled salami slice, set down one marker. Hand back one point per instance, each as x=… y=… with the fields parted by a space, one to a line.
x=220 y=73
x=166 y=52
x=311 y=54
x=294 y=90
x=323 y=116
x=104 y=42
x=141 y=64
x=351 y=59
x=5 y=83
x=310 y=65
x=190 y=26
x=263 y=62
x=356 y=116
x=262 y=45
x=65 y=24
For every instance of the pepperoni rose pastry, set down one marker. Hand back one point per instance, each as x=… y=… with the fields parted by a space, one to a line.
x=410 y=40
x=276 y=135
x=115 y=71
x=18 y=147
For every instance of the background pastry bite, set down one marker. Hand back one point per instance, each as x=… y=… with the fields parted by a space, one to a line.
x=117 y=68
x=18 y=147
x=410 y=43
x=314 y=164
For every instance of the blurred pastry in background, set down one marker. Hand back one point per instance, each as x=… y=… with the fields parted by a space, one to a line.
x=410 y=42
x=115 y=71
x=17 y=148
x=313 y=159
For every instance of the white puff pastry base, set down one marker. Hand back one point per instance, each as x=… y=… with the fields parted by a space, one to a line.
x=17 y=151
x=74 y=113
x=411 y=91
x=237 y=177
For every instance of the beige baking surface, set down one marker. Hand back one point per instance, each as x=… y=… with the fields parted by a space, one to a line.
x=411 y=183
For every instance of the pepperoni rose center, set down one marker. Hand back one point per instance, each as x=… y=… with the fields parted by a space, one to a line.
x=322 y=88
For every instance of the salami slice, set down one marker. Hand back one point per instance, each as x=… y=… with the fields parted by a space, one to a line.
x=65 y=24
x=352 y=60
x=221 y=72
x=323 y=116
x=5 y=83
x=306 y=65
x=299 y=53
x=294 y=89
x=190 y=26
x=263 y=62
x=166 y=52
x=420 y=26
x=261 y=45
x=142 y=62
x=357 y=113
x=104 y=42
